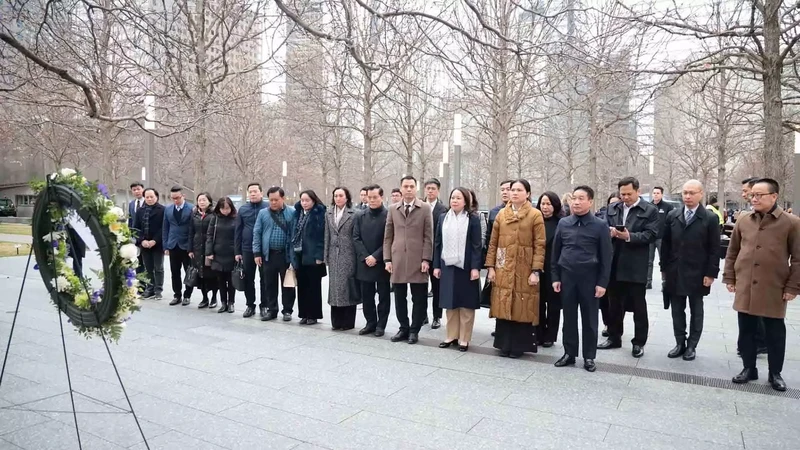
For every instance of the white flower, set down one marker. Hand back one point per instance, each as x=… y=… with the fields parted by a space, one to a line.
x=84 y=180
x=66 y=172
x=60 y=283
x=54 y=236
x=117 y=211
x=129 y=252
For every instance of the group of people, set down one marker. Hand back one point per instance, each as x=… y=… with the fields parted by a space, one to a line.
x=542 y=262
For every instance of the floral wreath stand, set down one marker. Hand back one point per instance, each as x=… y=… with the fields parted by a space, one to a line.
x=92 y=313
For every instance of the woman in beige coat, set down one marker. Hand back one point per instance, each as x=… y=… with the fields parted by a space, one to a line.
x=515 y=260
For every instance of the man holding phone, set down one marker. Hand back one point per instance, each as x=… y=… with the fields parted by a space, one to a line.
x=633 y=225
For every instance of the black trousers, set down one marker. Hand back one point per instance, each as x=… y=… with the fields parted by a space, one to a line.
x=653 y=247
x=578 y=292
x=678 y=307
x=250 y=269
x=775 y=332
x=761 y=338
x=209 y=283
x=437 y=311
x=227 y=293
x=376 y=319
x=549 y=311
x=622 y=294
x=179 y=258
x=141 y=269
x=604 y=309
x=153 y=260
x=419 y=298
x=309 y=291
x=271 y=271
x=344 y=317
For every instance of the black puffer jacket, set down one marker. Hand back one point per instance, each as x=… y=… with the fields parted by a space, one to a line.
x=221 y=245
x=198 y=228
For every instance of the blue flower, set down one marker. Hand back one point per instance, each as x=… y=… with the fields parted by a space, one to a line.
x=103 y=190
x=35 y=267
x=130 y=274
x=96 y=296
x=130 y=282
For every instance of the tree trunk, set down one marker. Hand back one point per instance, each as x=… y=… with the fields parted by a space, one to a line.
x=722 y=137
x=368 y=174
x=771 y=156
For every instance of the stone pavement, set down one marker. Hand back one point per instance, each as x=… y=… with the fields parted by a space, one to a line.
x=200 y=380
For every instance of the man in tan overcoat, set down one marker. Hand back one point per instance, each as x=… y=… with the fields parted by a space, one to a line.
x=762 y=268
x=407 y=253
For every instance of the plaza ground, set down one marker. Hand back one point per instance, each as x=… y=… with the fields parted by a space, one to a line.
x=201 y=380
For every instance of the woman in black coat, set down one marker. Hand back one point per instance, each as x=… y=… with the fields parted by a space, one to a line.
x=148 y=224
x=549 y=300
x=198 y=228
x=220 y=251
x=457 y=260
x=309 y=245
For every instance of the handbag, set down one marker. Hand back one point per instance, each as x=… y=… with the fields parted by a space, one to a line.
x=290 y=280
x=213 y=241
x=237 y=277
x=486 y=295
x=192 y=278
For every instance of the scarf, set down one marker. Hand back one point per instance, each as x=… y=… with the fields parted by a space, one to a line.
x=297 y=240
x=454 y=238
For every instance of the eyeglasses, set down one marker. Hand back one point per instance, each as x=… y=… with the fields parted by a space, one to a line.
x=691 y=192
x=758 y=195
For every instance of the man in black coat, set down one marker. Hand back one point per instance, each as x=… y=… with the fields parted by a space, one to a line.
x=432 y=187
x=664 y=208
x=580 y=269
x=368 y=230
x=689 y=264
x=243 y=245
x=633 y=225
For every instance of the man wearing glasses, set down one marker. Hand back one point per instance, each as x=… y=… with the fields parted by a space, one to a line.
x=762 y=268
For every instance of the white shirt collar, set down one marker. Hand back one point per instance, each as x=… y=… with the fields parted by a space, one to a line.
x=694 y=210
x=411 y=203
x=636 y=203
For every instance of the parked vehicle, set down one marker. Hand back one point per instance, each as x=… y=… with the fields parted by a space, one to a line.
x=7 y=208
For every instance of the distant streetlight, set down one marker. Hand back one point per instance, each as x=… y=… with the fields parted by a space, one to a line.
x=444 y=170
x=149 y=139
x=457 y=150
x=283 y=172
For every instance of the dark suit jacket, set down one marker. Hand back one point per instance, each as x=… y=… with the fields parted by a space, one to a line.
x=132 y=213
x=155 y=233
x=176 y=232
x=631 y=258
x=689 y=252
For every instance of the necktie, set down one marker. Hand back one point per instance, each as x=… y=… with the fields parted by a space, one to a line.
x=408 y=209
x=689 y=215
x=138 y=205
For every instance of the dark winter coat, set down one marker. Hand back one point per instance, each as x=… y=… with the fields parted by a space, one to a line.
x=369 y=227
x=664 y=209
x=631 y=258
x=245 y=222
x=154 y=233
x=689 y=252
x=456 y=290
x=313 y=234
x=198 y=229
x=221 y=245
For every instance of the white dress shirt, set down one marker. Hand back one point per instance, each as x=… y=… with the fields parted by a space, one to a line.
x=626 y=209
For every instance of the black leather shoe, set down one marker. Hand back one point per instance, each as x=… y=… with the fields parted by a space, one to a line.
x=547 y=344
x=223 y=308
x=447 y=344
x=186 y=301
x=609 y=344
x=605 y=332
x=463 y=348
x=303 y=321
x=588 y=364
x=203 y=304
x=366 y=330
x=400 y=336
x=690 y=354
x=262 y=311
x=436 y=324
x=287 y=317
x=379 y=332
x=249 y=312
x=413 y=338
x=504 y=354
x=269 y=316
x=147 y=295
x=746 y=375
x=213 y=303
x=514 y=355
x=649 y=286
x=677 y=351
x=565 y=360
x=637 y=351
x=231 y=308
x=776 y=381
x=762 y=351
x=426 y=321
x=312 y=321
x=492 y=333
x=175 y=301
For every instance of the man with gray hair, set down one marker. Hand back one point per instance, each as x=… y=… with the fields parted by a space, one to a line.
x=689 y=265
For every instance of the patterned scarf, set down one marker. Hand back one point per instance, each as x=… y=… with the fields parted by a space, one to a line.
x=454 y=238
x=297 y=240
x=146 y=220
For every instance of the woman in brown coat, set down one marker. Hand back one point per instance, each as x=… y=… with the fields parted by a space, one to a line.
x=515 y=260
